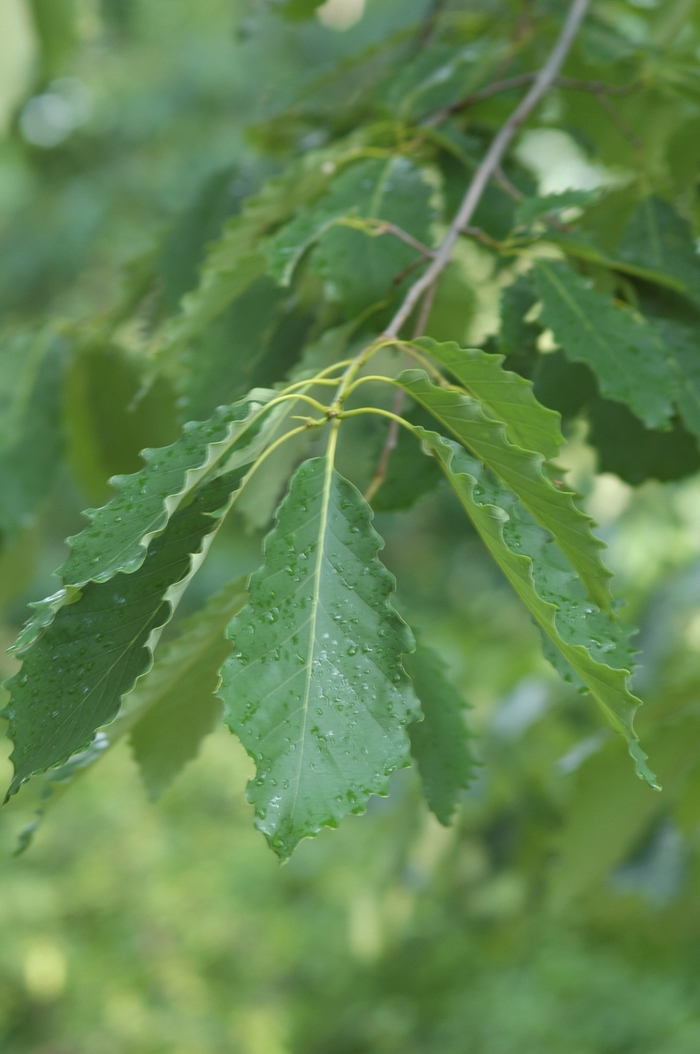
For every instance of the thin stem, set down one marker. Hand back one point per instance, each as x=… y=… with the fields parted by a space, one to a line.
x=377 y=377
x=273 y=446
x=427 y=366
x=500 y=144
x=383 y=227
x=309 y=382
x=382 y=413
x=506 y=185
x=483 y=237
x=392 y=436
x=301 y=398
x=519 y=81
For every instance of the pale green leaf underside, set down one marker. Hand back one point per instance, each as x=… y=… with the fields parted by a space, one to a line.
x=440 y=742
x=521 y=470
x=315 y=688
x=77 y=671
x=624 y=351
x=175 y=704
x=505 y=396
x=591 y=641
x=119 y=532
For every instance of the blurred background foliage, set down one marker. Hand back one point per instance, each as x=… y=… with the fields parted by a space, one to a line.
x=561 y=913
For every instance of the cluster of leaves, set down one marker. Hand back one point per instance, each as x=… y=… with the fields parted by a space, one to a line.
x=288 y=323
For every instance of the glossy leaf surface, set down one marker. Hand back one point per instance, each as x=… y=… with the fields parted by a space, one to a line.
x=75 y=674
x=590 y=640
x=119 y=533
x=504 y=395
x=522 y=470
x=315 y=688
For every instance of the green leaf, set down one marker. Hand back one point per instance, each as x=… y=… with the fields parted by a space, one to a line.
x=168 y=713
x=119 y=532
x=657 y=237
x=624 y=351
x=315 y=688
x=247 y=346
x=104 y=432
x=608 y=812
x=633 y=452
x=359 y=269
x=515 y=335
x=439 y=74
x=521 y=470
x=238 y=258
x=532 y=209
x=590 y=640
x=175 y=704
x=297 y=10
x=581 y=246
x=440 y=742
x=80 y=666
x=683 y=342
x=506 y=396
x=32 y=368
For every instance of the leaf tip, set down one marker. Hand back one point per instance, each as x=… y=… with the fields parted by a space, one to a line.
x=641 y=768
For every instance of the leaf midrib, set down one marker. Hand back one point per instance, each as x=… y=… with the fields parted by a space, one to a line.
x=316 y=600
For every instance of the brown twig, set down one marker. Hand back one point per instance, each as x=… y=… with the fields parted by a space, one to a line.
x=398 y=278
x=543 y=81
x=392 y=436
x=505 y=184
x=510 y=83
x=384 y=227
x=618 y=121
x=482 y=236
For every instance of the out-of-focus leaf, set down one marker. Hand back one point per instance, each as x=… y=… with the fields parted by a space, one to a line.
x=439 y=75
x=105 y=430
x=297 y=10
x=440 y=742
x=610 y=811
x=635 y=453
x=658 y=237
x=57 y=30
x=359 y=269
x=234 y=262
x=532 y=209
x=515 y=335
x=32 y=370
x=176 y=705
x=315 y=688
x=624 y=351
